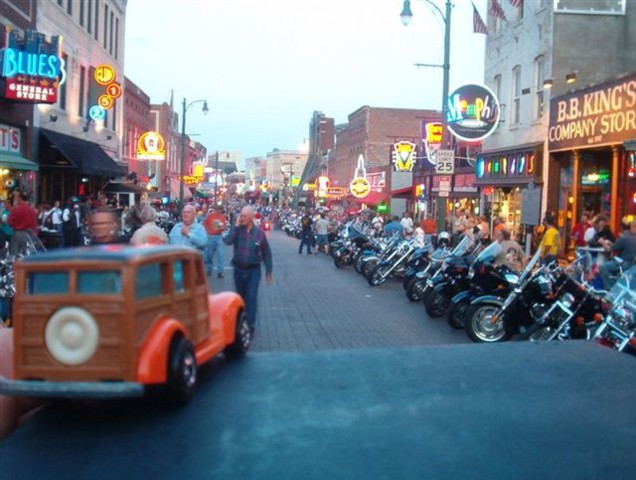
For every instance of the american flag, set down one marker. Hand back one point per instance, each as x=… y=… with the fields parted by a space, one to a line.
x=496 y=10
x=478 y=24
x=515 y=3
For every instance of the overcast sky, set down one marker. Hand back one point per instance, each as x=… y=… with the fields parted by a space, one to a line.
x=265 y=65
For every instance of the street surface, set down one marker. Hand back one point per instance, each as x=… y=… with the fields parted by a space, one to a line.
x=312 y=305
x=349 y=381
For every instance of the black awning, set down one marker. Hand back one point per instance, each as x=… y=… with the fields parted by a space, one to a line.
x=87 y=157
x=123 y=187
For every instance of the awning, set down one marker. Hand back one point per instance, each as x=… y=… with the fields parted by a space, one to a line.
x=405 y=192
x=17 y=162
x=373 y=198
x=88 y=157
x=123 y=187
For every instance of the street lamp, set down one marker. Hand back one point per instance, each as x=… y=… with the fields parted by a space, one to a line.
x=406 y=16
x=205 y=111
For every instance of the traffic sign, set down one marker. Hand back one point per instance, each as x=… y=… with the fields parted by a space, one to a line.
x=443 y=193
x=445 y=162
x=445 y=184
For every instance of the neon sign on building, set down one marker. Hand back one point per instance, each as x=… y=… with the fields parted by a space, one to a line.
x=32 y=68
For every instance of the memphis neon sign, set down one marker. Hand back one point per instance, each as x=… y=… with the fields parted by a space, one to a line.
x=473 y=112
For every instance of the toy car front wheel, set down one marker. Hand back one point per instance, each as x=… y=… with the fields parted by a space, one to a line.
x=182 y=371
x=242 y=338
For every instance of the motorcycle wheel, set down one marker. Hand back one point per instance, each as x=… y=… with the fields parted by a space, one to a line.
x=339 y=262
x=415 y=290
x=479 y=325
x=456 y=314
x=357 y=264
x=437 y=304
x=368 y=266
x=379 y=275
x=539 y=333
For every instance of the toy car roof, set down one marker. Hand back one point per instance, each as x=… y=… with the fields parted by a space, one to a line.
x=107 y=253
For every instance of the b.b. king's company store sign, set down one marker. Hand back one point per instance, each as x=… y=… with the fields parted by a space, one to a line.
x=31 y=69
x=600 y=115
x=473 y=112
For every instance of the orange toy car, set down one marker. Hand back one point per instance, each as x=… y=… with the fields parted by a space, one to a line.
x=108 y=321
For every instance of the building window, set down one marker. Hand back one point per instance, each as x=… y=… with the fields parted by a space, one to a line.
x=60 y=2
x=497 y=86
x=105 y=39
x=96 y=20
x=516 y=95
x=114 y=129
x=82 y=91
x=81 y=13
x=69 y=7
x=112 y=29
x=116 y=38
x=539 y=78
x=89 y=19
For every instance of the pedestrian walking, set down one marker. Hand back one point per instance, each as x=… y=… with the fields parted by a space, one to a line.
x=306 y=233
x=23 y=220
x=215 y=223
x=322 y=234
x=149 y=233
x=188 y=232
x=250 y=250
x=71 y=223
x=551 y=240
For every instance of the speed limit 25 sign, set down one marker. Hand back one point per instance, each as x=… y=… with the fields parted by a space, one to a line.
x=445 y=162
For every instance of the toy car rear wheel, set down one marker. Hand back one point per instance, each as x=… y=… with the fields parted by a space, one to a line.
x=242 y=338
x=182 y=371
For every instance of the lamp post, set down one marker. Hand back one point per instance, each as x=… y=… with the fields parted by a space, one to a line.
x=406 y=17
x=186 y=106
x=216 y=179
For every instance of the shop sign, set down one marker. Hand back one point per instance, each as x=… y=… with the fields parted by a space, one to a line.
x=600 y=115
x=32 y=68
x=322 y=184
x=432 y=136
x=511 y=165
x=473 y=112
x=377 y=180
x=192 y=180
x=10 y=139
x=151 y=146
x=403 y=156
x=336 y=192
x=360 y=187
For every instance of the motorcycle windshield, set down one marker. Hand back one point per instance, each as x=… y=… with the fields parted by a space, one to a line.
x=488 y=254
x=462 y=247
x=625 y=287
x=530 y=266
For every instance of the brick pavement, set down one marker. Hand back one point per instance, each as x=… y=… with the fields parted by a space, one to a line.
x=311 y=305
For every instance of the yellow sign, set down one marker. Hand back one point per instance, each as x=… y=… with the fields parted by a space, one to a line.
x=151 y=146
x=105 y=101
x=322 y=183
x=104 y=74
x=192 y=180
x=404 y=156
x=360 y=187
x=336 y=192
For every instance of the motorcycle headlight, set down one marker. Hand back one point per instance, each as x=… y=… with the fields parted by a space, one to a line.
x=511 y=278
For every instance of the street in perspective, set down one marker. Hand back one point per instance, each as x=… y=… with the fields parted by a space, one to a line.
x=276 y=239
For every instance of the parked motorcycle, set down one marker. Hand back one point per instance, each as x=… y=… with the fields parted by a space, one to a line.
x=618 y=326
x=393 y=264
x=494 y=319
x=577 y=307
x=451 y=279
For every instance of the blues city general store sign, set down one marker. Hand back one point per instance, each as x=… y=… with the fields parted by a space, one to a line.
x=32 y=69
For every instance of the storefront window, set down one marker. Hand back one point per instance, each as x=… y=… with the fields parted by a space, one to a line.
x=627 y=188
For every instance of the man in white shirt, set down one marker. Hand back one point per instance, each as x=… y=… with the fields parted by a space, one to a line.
x=407 y=223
